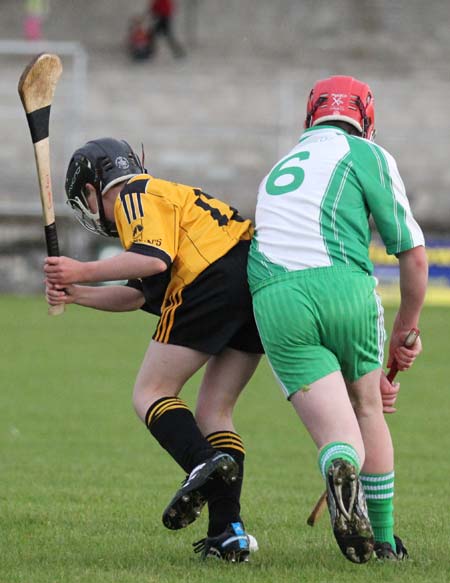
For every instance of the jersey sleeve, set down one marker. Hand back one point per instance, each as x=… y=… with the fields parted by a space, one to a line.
x=386 y=197
x=147 y=223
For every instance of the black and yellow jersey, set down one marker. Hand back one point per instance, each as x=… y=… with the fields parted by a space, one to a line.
x=186 y=228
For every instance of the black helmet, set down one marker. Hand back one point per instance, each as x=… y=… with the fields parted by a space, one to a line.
x=102 y=163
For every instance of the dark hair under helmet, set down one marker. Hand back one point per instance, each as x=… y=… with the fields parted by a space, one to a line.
x=102 y=163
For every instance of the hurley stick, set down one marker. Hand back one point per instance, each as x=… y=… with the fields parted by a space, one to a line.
x=36 y=89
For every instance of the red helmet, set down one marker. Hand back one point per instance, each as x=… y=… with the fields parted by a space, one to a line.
x=343 y=99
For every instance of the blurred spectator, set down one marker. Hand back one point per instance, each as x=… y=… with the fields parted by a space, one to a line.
x=162 y=12
x=140 y=38
x=35 y=10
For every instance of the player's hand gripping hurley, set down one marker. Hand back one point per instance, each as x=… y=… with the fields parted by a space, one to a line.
x=319 y=508
x=409 y=342
x=36 y=89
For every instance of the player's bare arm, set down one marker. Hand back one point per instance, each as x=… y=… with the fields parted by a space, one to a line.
x=413 y=282
x=62 y=271
x=111 y=298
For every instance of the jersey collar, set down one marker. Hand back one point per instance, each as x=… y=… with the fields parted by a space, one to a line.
x=320 y=128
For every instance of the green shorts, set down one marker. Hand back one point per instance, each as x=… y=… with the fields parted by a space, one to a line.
x=318 y=321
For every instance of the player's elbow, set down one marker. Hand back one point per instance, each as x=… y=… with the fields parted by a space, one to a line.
x=415 y=259
x=136 y=300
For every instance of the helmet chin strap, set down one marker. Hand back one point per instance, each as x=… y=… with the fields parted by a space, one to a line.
x=108 y=226
x=314 y=108
x=142 y=157
x=365 y=120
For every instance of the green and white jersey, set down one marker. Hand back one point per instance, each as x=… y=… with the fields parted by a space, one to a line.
x=314 y=206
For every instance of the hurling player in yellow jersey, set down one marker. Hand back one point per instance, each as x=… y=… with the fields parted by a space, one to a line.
x=185 y=257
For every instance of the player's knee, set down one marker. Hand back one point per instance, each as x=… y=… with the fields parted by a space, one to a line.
x=142 y=399
x=368 y=408
x=138 y=404
x=144 y=395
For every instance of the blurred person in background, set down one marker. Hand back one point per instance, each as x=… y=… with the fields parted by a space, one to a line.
x=162 y=13
x=185 y=258
x=140 y=38
x=34 y=13
x=309 y=270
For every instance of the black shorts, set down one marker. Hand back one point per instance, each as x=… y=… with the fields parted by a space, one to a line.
x=216 y=309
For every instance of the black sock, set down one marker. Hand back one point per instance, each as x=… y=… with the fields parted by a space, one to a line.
x=224 y=499
x=171 y=422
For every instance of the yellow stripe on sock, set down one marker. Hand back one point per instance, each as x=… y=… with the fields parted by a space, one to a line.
x=226 y=439
x=170 y=408
x=223 y=434
x=229 y=446
x=166 y=406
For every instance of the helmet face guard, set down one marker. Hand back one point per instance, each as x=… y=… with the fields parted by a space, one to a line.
x=345 y=99
x=101 y=163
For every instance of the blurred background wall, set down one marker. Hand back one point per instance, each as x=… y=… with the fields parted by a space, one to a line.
x=221 y=116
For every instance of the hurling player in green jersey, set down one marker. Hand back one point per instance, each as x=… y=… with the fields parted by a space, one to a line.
x=317 y=311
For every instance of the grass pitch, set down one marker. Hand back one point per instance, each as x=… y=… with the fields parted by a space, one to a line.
x=83 y=484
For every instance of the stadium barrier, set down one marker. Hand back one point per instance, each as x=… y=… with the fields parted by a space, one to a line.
x=386 y=270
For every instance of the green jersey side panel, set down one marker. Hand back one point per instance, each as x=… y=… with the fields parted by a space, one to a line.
x=385 y=195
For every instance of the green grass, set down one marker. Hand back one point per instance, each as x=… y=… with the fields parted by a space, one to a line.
x=83 y=484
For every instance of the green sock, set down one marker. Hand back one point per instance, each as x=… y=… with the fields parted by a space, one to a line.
x=337 y=450
x=379 y=492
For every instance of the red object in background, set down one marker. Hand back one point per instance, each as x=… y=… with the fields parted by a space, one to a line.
x=32 y=28
x=140 y=43
x=162 y=7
